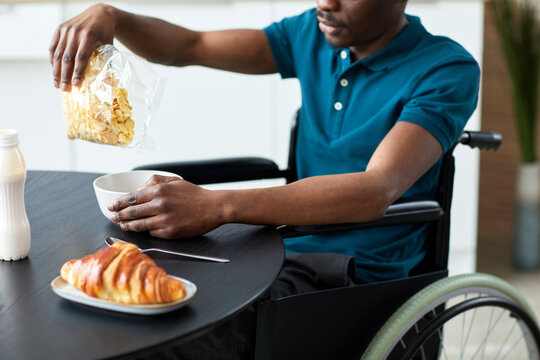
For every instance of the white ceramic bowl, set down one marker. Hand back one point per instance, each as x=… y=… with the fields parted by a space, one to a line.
x=112 y=186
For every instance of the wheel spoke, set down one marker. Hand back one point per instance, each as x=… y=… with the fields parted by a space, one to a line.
x=469 y=331
x=441 y=341
x=403 y=344
x=515 y=342
x=489 y=324
x=505 y=340
x=439 y=333
x=421 y=347
x=462 y=332
x=489 y=331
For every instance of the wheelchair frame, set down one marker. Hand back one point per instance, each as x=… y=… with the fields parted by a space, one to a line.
x=323 y=326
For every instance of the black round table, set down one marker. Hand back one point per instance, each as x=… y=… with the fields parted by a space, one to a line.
x=66 y=223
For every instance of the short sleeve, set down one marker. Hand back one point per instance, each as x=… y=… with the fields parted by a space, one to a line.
x=280 y=36
x=444 y=100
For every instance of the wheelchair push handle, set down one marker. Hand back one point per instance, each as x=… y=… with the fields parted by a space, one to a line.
x=485 y=140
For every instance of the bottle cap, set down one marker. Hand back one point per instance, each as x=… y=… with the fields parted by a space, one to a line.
x=9 y=137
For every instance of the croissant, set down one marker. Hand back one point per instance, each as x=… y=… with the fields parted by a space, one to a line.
x=121 y=273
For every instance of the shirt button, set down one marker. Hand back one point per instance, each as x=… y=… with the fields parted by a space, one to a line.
x=343 y=54
x=338 y=106
x=344 y=82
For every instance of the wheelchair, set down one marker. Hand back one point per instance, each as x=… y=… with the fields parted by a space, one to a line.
x=427 y=315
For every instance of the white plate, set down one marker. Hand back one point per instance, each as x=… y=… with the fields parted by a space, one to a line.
x=65 y=290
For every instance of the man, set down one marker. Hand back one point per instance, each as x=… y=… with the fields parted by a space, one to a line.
x=382 y=100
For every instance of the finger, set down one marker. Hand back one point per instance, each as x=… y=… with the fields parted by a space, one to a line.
x=81 y=61
x=134 y=212
x=138 y=225
x=68 y=62
x=158 y=179
x=57 y=59
x=133 y=198
x=154 y=179
x=54 y=44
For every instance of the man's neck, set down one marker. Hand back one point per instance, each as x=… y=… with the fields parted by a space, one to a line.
x=364 y=51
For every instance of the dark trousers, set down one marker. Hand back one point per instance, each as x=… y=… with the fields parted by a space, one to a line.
x=235 y=339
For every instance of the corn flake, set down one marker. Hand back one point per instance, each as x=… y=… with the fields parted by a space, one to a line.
x=98 y=110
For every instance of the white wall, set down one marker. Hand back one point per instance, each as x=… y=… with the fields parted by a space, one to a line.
x=204 y=113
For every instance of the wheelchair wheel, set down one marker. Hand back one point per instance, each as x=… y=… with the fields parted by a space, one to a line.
x=473 y=316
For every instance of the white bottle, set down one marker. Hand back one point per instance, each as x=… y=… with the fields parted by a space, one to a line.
x=14 y=225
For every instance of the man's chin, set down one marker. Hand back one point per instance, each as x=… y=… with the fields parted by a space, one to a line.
x=336 y=42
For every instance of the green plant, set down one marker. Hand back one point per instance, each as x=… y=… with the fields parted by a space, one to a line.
x=518 y=26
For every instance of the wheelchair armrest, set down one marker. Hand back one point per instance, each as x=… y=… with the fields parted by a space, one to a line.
x=401 y=213
x=221 y=170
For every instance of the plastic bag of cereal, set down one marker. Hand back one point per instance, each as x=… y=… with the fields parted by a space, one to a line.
x=116 y=101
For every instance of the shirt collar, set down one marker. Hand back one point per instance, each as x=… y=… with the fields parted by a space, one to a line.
x=393 y=53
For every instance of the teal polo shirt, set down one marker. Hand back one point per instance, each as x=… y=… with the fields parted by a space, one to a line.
x=347 y=109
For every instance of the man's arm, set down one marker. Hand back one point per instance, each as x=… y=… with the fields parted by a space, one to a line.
x=403 y=156
x=242 y=50
x=177 y=208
